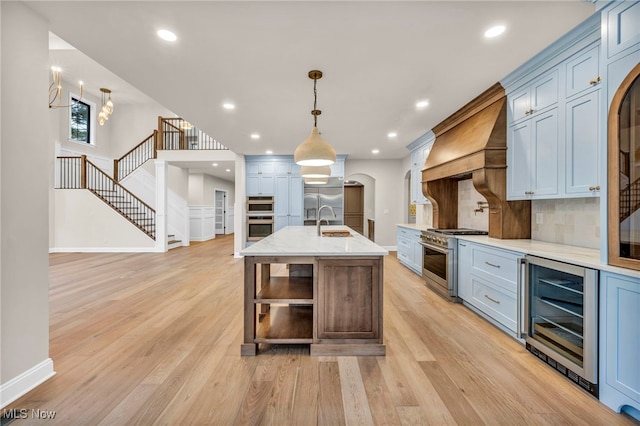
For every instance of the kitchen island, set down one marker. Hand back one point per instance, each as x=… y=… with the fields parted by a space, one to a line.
x=329 y=295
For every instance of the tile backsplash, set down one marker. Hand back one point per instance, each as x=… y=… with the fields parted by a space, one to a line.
x=468 y=199
x=573 y=221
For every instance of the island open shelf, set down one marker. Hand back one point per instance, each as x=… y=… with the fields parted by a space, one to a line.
x=329 y=296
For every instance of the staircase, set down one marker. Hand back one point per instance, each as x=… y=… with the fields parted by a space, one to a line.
x=629 y=200
x=80 y=173
x=172 y=134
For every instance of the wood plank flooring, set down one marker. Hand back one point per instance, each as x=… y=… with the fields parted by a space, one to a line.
x=155 y=339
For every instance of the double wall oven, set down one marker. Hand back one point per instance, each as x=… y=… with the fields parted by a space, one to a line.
x=439 y=263
x=260 y=210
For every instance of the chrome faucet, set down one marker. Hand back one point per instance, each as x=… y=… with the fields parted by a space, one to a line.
x=318 y=220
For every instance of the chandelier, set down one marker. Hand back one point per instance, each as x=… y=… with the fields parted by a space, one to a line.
x=107 y=106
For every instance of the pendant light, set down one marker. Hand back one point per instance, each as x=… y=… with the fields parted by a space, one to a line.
x=316 y=181
x=107 y=106
x=315 y=171
x=314 y=151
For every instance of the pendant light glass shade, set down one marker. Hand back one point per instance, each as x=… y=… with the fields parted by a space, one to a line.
x=315 y=171
x=314 y=151
x=316 y=181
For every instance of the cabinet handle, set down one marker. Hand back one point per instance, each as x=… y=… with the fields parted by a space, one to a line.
x=597 y=187
x=595 y=81
x=519 y=333
x=530 y=111
x=493 y=300
x=491 y=264
x=463 y=245
x=594 y=188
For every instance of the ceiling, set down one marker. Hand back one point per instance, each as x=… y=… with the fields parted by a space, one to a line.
x=378 y=58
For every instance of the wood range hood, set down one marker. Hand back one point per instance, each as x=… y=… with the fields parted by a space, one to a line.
x=472 y=144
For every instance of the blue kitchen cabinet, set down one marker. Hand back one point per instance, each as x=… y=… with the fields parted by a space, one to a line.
x=420 y=150
x=583 y=72
x=260 y=177
x=409 y=249
x=288 y=201
x=535 y=98
x=620 y=342
x=532 y=149
x=582 y=171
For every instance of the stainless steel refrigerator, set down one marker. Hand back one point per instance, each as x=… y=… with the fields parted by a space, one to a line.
x=330 y=194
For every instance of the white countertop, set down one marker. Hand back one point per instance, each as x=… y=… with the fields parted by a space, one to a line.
x=414 y=226
x=581 y=256
x=304 y=241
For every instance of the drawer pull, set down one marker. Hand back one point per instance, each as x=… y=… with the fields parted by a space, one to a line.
x=491 y=264
x=493 y=300
x=463 y=245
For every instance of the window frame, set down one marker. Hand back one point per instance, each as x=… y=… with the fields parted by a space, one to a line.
x=92 y=119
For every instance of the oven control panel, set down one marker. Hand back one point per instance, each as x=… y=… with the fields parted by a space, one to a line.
x=435 y=239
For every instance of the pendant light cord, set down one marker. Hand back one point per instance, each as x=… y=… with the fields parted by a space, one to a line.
x=315 y=101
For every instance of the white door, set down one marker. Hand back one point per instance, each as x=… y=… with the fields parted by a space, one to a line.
x=220 y=213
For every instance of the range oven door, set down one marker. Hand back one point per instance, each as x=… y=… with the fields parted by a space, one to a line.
x=438 y=269
x=259 y=227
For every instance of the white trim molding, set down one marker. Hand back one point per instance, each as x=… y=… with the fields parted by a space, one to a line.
x=152 y=249
x=23 y=383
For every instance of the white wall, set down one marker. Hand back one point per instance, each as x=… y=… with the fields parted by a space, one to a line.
x=25 y=164
x=202 y=187
x=84 y=223
x=60 y=126
x=389 y=177
x=131 y=124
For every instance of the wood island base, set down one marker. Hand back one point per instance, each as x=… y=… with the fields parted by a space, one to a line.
x=332 y=303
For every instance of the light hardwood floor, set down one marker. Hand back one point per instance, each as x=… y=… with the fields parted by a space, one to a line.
x=155 y=339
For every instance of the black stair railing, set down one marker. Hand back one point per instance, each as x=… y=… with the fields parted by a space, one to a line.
x=80 y=173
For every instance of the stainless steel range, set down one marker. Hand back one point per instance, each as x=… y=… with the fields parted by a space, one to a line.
x=440 y=259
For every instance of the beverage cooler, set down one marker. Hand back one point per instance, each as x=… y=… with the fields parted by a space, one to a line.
x=561 y=318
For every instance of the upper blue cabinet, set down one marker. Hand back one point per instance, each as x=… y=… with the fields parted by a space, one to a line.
x=534 y=98
x=553 y=135
x=622 y=28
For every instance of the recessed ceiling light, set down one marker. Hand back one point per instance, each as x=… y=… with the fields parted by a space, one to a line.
x=255 y=136
x=215 y=164
x=422 y=104
x=167 y=35
x=375 y=151
x=269 y=152
x=227 y=170
x=228 y=106
x=392 y=134
x=494 y=31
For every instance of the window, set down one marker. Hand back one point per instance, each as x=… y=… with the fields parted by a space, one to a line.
x=81 y=119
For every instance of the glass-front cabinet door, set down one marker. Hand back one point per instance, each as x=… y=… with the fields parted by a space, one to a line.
x=624 y=173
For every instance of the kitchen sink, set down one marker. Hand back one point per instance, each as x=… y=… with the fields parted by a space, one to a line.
x=336 y=233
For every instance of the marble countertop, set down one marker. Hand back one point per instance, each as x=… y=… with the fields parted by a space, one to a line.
x=304 y=241
x=414 y=226
x=581 y=256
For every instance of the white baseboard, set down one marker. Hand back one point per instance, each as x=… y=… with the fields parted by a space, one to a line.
x=104 y=250
x=26 y=381
x=204 y=238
